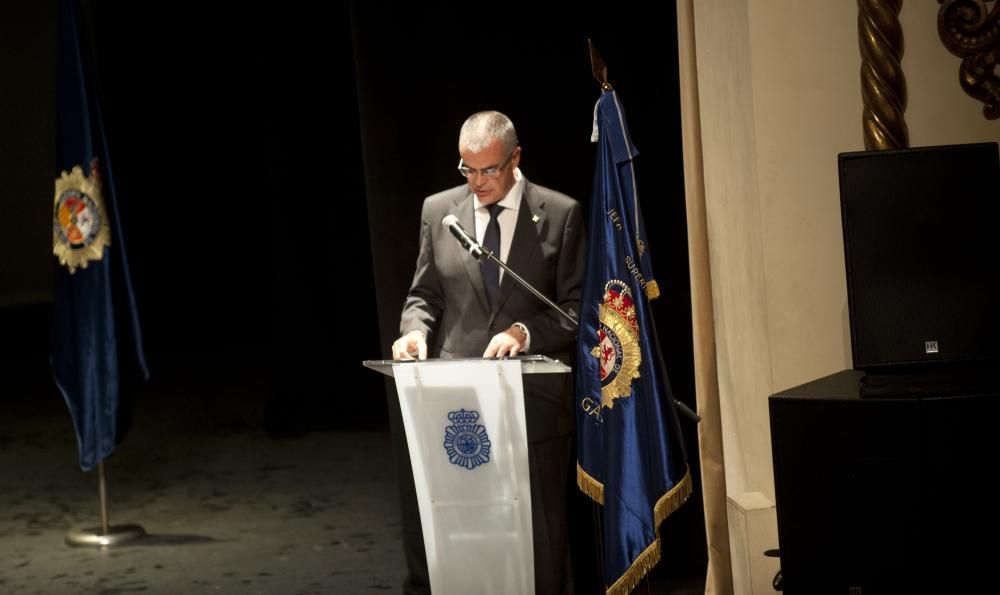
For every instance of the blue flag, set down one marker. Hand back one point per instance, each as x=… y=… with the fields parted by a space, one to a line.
x=631 y=456
x=96 y=341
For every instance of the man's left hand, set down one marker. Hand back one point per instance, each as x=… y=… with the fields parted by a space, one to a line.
x=507 y=343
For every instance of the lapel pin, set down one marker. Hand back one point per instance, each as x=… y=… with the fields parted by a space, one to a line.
x=534 y=218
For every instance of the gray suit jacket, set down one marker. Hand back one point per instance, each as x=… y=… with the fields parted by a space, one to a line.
x=447 y=300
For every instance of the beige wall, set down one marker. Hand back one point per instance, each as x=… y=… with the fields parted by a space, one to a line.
x=779 y=90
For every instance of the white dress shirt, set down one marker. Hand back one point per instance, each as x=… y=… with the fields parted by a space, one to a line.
x=507 y=218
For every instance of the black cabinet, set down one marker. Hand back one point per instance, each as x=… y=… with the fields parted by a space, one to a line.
x=885 y=494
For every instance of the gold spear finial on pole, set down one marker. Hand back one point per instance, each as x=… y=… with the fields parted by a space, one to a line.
x=599 y=68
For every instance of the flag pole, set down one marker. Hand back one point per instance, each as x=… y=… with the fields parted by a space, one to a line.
x=105 y=535
x=598 y=67
x=600 y=70
x=103 y=495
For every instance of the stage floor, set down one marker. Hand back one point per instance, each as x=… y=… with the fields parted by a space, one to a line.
x=228 y=509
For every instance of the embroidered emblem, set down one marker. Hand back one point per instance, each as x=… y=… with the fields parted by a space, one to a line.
x=617 y=350
x=465 y=441
x=80 y=226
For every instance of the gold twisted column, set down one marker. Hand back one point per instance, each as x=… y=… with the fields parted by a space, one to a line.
x=971 y=31
x=883 y=86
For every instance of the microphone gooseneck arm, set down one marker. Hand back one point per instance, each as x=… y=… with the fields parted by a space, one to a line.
x=488 y=254
x=479 y=253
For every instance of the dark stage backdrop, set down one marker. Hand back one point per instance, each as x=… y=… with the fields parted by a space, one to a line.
x=239 y=150
x=271 y=164
x=423 y=69
x=236 y=147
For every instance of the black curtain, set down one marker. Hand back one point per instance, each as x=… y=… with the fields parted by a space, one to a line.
x=237 y=147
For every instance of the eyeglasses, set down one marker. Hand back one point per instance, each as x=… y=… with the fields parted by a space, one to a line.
x=486 y=172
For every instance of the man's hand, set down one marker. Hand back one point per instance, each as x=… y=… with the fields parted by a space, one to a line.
x=509 y=342
x=412 y=344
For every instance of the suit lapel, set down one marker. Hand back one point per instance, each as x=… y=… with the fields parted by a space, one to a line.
x=530 y=218
x=463 y=209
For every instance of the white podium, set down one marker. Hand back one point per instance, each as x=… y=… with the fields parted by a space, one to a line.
x=465 y=428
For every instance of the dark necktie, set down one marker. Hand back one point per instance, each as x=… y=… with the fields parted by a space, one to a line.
x=491 y=241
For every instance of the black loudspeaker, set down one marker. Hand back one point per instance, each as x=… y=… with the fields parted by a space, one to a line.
x=884 y=496
x=922 y=253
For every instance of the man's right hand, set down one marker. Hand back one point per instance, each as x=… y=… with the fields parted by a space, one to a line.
x=412 y=344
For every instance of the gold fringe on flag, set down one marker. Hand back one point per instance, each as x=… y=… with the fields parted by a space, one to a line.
x=664 y=507
x=649 y=558
x=673 y=499
x=588 y=485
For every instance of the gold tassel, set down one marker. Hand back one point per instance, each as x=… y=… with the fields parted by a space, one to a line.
x=652 y=290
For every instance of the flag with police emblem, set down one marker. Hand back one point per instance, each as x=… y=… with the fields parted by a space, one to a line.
x=96 y=340
x=631 y=456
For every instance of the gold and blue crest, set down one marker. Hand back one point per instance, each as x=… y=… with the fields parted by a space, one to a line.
x=617 y=348
x=80 y=226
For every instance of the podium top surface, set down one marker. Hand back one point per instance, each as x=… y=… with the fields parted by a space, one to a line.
x=530 y=364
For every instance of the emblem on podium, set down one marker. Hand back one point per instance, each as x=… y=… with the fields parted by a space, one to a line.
x=465 y=441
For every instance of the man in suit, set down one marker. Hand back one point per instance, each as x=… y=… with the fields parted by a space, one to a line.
x=458 y=307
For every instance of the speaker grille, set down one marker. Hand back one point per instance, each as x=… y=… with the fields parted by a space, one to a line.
x=921 y=241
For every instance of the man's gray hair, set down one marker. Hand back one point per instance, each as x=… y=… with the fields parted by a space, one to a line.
x=482 y=128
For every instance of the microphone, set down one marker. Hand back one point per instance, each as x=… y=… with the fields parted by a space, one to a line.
x=467 y=241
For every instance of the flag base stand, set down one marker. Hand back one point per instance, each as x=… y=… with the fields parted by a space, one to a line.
x=105 y=535
x=114 y=536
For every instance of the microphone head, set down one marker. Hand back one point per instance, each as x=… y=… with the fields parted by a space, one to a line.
x=464 y=239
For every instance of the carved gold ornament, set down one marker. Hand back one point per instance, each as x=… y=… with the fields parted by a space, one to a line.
x=970 y=29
